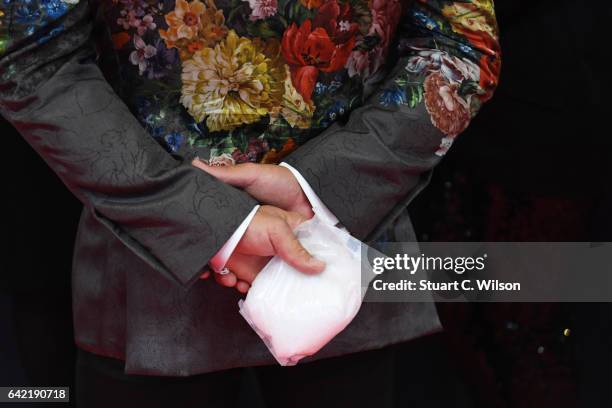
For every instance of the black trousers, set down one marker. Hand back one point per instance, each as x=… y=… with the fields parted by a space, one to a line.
x=362 y=379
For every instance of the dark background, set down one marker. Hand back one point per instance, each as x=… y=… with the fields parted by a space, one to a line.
x=534 y=166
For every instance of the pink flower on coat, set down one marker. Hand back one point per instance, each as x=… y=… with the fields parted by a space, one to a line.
x=144 y=24
x=261 y=9
x=141 y=54
x=128 y=19
x=385 y=17
x=358 y=63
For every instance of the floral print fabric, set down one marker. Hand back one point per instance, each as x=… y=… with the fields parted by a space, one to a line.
x=453 y=63
x=250 y=80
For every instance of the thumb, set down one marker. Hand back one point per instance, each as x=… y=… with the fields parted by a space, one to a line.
x=289 y=249
x=238 y=175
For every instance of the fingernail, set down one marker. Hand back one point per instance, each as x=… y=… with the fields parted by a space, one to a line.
x=317 y=263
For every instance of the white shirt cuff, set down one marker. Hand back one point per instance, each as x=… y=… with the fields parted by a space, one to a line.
x=318 y=207
x=218 y=262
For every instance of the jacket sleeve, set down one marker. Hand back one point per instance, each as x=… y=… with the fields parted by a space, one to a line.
x=172 y=215
x=446 y=65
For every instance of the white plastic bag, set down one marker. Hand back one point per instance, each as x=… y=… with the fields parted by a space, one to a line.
x=297 y=314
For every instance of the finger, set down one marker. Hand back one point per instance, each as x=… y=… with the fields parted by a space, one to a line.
x=305 y=210
x=242 y=286
x=239 y=175
x=205 y=275
x=229 y=279
x=246 y=267
x=287 y=247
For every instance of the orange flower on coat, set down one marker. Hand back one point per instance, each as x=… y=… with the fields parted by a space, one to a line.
x=184 y=21
x=193 y=26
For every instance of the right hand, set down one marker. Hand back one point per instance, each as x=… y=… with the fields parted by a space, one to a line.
x=269 y=233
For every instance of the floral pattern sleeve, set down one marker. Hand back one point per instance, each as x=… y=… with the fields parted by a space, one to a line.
x=453 y=62
x=447 y=64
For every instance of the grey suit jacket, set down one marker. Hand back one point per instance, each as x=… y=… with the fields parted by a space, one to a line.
x=151 y=221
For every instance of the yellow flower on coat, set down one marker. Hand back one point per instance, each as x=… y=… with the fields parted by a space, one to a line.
x=193 y=22
x=475 y=16
x=237 y=82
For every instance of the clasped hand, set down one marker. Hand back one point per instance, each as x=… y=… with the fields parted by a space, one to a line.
x=270 y=232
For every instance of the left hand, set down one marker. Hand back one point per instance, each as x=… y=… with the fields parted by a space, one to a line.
x=267 y=183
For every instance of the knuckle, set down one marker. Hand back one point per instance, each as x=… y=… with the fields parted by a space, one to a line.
x=276 y=229
x=304 y=253
x=248 y=169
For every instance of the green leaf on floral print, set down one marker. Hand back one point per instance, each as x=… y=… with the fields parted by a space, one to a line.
x=282 y=8
x=322 y=105
x=196 y=140
x=261 y=29
x=232 y=14
x=288 y=9
x=414 y=94
x=283 y=21
x=277 y=134
x=224 y=145
x=413 y=89
x=354 y=102
x=294 y=10
x=401 y=81
x=242 y=141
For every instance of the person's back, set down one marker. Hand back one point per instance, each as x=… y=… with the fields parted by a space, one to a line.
x=233 y=83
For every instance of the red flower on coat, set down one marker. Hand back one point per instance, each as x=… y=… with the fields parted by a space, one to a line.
x=320 y=45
